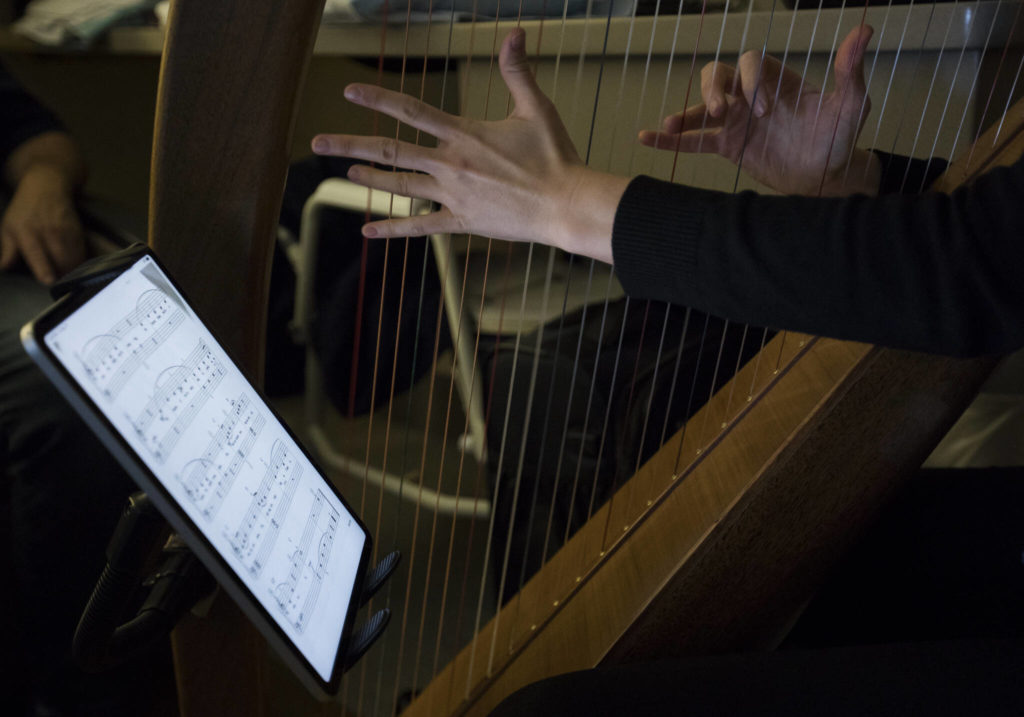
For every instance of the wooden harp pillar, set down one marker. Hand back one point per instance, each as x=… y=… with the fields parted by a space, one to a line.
x=229 y=83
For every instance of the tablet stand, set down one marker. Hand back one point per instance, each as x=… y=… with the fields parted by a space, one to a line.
x=101 y=641
x=373 y=628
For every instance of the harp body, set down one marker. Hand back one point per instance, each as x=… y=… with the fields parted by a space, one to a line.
x=717 y=541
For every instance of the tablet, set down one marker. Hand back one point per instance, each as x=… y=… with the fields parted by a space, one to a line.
x=134 y=359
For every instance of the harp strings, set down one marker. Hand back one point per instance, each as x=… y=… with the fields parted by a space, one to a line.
x=1014 y=26
x=677 y=383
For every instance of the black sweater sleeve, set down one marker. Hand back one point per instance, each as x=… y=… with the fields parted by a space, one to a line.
x=932 y=272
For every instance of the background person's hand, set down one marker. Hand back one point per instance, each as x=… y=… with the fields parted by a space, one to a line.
x=519 y=178
x=785 y=133
x=41 y=225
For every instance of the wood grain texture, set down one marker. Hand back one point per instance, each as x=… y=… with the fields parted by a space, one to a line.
x=229 y=82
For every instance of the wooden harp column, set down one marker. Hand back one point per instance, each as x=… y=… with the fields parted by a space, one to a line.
x=229 y=84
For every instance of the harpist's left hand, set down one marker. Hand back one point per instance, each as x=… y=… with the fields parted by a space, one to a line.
x=519 y=178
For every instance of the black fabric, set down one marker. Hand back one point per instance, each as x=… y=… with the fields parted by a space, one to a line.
x=21 y=118
x=944 y=562
x=931 y=272
x=936 y=679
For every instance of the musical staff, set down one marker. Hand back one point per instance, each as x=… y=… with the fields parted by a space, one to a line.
x=112 y=358
x=180 y=393
x=253 y=540
x=296 y=595
x=208 y=479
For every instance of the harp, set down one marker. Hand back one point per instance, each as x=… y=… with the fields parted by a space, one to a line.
x=718 y=540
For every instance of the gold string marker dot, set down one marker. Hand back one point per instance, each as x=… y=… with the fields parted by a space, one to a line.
x=579 y=578
x=555 y=603
x=532 y=628
x=650 y=503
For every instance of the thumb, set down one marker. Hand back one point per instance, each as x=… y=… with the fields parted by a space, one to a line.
x=515 y=70
x=850 y=60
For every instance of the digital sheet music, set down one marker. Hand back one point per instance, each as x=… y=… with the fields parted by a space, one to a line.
x=162 y=379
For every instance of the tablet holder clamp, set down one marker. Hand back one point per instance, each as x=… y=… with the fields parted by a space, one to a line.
x=177 y=583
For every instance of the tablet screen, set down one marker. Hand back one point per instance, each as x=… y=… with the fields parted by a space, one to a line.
x=139 y=352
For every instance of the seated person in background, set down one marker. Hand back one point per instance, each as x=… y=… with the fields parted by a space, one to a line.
x=61 y=492
x=925 y=271
x=845 y=253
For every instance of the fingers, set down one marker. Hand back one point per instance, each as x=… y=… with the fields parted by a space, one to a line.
x=64 y=244
x=404 y=108
x=409 y=185
x=751 y=73
x=393 y=152
x=439 y=222
x=696 y=117
x=695 y=142
x=35 y=257
x=515 y=70
x=717 y=80
x=850 y=60
x=404 y=184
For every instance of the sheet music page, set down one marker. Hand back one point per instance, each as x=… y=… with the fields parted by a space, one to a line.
x=165 y=383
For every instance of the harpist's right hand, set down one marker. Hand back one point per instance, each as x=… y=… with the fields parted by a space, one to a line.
x=519 y=178
x=786 y=133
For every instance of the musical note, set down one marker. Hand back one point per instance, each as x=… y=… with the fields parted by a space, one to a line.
x=297 y=593
x=180 y=393
x=208 y=479
x=112 y=358
x=253 y=540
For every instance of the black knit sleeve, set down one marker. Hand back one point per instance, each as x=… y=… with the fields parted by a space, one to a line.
x=932 y=272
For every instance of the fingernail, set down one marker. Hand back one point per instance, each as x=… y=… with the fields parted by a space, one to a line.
x=518 y=39
x=320 y=144
x=759 y=107
x=352 y=93
x=369 y=231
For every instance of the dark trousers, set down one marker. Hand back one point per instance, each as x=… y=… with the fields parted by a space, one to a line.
x=926 y=616
x=60 y=498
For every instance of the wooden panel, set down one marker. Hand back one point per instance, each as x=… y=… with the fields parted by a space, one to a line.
x=229 y=81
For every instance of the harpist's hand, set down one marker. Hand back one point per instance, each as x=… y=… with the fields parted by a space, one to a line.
x=797 y=139
x=519 y=178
